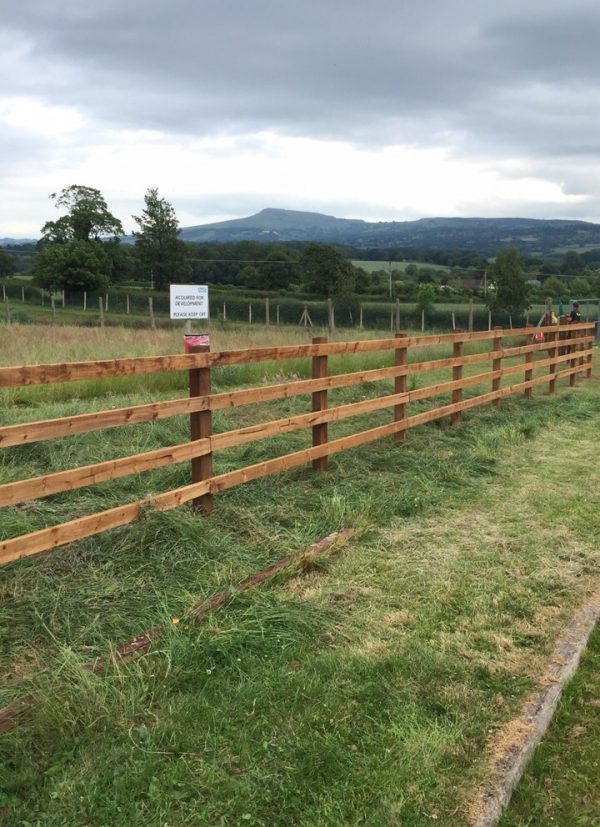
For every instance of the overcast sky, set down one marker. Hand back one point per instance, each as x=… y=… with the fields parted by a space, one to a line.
x=379 y=109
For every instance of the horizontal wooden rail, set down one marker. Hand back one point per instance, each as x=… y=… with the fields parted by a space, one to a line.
x=66 y=426
x=16 y=492
x=12 y=493
x=80 y=371
x=36 y=431
x=48 y=538
x=60 y=535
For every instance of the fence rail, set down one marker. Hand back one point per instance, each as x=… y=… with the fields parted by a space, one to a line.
x=568 y=346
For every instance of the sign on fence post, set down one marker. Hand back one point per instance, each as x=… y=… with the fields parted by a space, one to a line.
x=201 y=427
x=319 y=403
x=189 y=301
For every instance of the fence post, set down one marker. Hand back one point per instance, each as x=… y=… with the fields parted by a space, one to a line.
x=63 y=299
x=470 y=315
x=151 y=311
x=319 y=403
x=453 y=321
x=7 y=308
x=552 y=351
x=128 y=304
x=397 y=315
x=84 y=300
x=23 y=295
x=400 y=383
x=422 y=321
x=267 y=313
x=588 y=373
x=458 y=350
x=249 y=314
x=106 y=303
x=3 y=292
x=360 y=317
x=53 y=304
x=277 y=314
x=330 y=316
x=496 y=363
x=572 y=362
x=529 y=363
x=201 y=428
x=101 y=306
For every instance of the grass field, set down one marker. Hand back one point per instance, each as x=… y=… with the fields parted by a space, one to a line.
x=561 y=784
x=373 y=266
x=366 y=690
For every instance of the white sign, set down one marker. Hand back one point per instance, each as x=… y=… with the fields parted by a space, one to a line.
x=189 y=301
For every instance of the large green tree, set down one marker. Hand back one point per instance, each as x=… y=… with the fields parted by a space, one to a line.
x=72 y=255
x=7 y=264
x=161 y=252
x=87 y=217
x=512 y=290
x=326 y=271
x=75 y=266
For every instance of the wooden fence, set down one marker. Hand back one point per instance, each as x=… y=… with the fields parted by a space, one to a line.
x=566 y=352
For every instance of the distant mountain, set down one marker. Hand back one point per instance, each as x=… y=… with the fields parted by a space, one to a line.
x=16 y=242
x=482 y=235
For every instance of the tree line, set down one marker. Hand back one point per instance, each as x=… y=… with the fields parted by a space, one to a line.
x=84 y=250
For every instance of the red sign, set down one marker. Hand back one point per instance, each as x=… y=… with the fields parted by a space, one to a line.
x=196 y=340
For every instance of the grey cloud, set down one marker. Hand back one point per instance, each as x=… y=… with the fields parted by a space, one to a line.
x=488 y=80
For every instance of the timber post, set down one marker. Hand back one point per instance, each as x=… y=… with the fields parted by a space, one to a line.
x=400 y=360
x=201 y=428
x=529 y=363
x=497 y=362
x=458 y=350
x=319 y=403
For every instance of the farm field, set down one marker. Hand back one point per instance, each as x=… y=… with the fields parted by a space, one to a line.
x=373 y=266
x=365 y=688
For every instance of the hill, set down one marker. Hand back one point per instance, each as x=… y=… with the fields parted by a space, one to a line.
x=482 y=235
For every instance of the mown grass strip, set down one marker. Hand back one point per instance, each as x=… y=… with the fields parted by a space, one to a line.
x=560 y=786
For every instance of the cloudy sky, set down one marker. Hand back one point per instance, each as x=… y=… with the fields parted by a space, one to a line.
x=379 y=109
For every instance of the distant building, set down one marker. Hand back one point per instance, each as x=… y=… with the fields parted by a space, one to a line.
x=471 y=284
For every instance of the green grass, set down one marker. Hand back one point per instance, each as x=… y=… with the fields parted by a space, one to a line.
x=373 y=266
x=561 y=784
x=361 y=691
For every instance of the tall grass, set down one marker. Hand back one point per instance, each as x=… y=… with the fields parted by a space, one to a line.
x=359 y=692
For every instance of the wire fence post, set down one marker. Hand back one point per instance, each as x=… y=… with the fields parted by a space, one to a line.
x=101 y=307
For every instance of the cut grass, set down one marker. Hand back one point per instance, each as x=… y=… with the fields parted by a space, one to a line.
x=361 y=692
x=561 y=784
